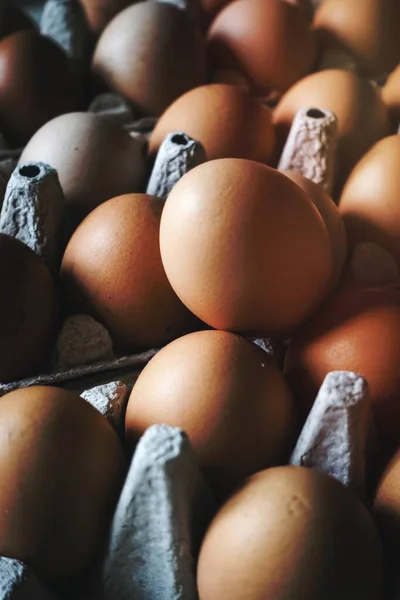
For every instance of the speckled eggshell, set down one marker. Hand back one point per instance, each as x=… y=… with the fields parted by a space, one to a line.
x=245 y=248
x=112 y=270
x=37 y=83
x=362 y=115
x=95 y=159
x=369 y=203
x=227 y=120
x=270 y=41
x=357 y=330
x=151 y=53
x=228 y=396
x=61 y=468
x=291 y=533
x=28 y=309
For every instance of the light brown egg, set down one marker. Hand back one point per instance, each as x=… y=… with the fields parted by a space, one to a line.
x=112 y=269
x=151 y=53
x=362 y=115
x=369 y=204
x=61 y=468
x=100 y=12
x=95 y=159
x=386 y=511
x=227 y=395
x=28 y=308
x=331 y=216
x=357 y=330
x=367 y=29
x=269 y=41
x=391 y=95
x=245 y=248
x=224 y=118
x=37 y=83
x=291 y=533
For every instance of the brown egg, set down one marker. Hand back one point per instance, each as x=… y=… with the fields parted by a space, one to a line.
x=95 y=159
x=291 y=533
x=28 y=309
x=227 y=395
x=391 y=95
x=61 y=467
x=244 y=248
x=369 y=203
x=270 y=41
x=151 y=53
x=357 y=330
x=37 y=83
x=100 y=12
x=362 y=115
x=112 y=269
x=386 y=511
x=224 y=118
x=367 y=29
x=331 y=216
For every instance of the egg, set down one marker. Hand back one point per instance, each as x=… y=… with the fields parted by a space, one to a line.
x=100 y=12
x=227 y=395
x=112 y=269
x=362 y=115
x=227 y=120
x=291 y=532
x=331 y=216
x=151 y=53
x=61 y=468
x=12 y=19
x=245 y=248
x=386 y=511
x=270 y=41
x=355 y=330
x=391 y=95
x=367 y=29
x=37 y=83
x=369 y=203
x=95 y=159
x=28 y=308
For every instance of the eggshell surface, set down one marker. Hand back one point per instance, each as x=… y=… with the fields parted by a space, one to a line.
x=227 y=395
x=369 y=203
x=112 y=269
x=358 y=331
x=270 y=41
x=61 y=466
x=227 y=120
x=244 y=248
x=100 y=12
x=37 y=83
x=391 y=95
x=362 y=115
x=95 y=159
x=29 y=309
x=151 y=53
x=331 y=216
x=368 y=29
x=291 y=532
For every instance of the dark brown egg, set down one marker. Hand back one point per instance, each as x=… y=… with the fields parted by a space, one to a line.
x=112 y=269
x=94 y=157
x=151 y=53
x=356 y=331
x=227 y=395
x=269 y=41
x=37 y=83
x=28 y=309
x=61 y=468
x=227 y=120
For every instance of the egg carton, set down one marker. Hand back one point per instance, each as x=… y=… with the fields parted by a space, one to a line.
x=166 y=505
